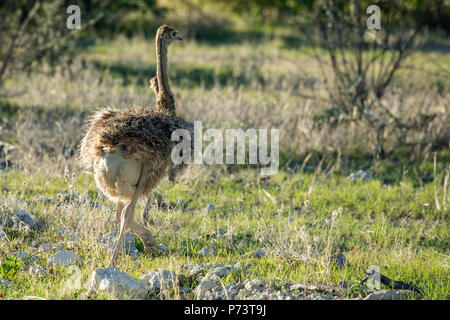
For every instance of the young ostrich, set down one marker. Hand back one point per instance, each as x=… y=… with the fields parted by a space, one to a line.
x=130 y=150
x=154 y=84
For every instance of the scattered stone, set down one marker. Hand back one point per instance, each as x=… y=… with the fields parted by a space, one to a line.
x=109 y=242
x=68 y=233
x=32 y=260
x=20 y=225
x=66 y=196
x=45 y=248
x=71 y=244
x=257 y=253
x=374 y=281
x=388 y=295
x=21 y=255
x=238 y=266
x=359 y=175
x=218 y=272
x=45 y=199
x=37 y=271
x=219 y=234
x=17 y=200
x=301 y=287
x=210 y=207
x=205 y=252
x=32 y=298
x=160 y=280
x=59 y=246
x=41 y=198
x=39 y=241
x=63 y=258
x=116 y=283
x=253 y=284
x=204 y=289
x=25 y=217
x=196 y=270
x=325 y=297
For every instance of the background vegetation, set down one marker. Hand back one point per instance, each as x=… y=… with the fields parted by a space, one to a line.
x=346 y=100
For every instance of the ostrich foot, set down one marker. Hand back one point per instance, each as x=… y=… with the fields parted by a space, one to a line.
x=150 y=248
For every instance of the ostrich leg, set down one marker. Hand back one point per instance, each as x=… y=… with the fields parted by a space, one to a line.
x=119 y=208
x=146 y=236
x=127 y=213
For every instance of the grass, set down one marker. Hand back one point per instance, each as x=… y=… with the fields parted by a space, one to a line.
x=398 y=220
x=396 y=227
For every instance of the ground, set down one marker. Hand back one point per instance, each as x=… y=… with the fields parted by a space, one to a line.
x=393 y=214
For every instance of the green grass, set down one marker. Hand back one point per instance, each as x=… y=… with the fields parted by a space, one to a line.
x=396 y=227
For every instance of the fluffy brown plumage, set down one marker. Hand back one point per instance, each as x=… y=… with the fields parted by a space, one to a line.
x=129 y=150
x=141 y=134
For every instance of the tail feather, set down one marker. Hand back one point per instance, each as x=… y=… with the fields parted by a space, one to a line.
x=89 y=148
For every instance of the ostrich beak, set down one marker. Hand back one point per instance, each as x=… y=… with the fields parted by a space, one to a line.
x=179 y=37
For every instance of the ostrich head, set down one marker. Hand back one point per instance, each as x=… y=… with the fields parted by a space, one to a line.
x=154 y=84
x=167 y=35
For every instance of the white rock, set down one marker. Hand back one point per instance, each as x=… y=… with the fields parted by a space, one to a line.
x=325 y=297
x=46 y=247
x=359 y=175
x=37 y=271
x=257 y=253
x=32 y=260
x=253 y=285
x=63 y=258
x=116 y=283
x=42 y=198
x=156 y=281
x=68 y=233
x=26 y=218
x=39 y=241
x=388 y=295
x=196 y=270
x=59 y=246
x=21 y=255
x=205 y=252
x=238 y=266
x=210 y=207
x=71 y=244
x=219 y=272
x=205 y=288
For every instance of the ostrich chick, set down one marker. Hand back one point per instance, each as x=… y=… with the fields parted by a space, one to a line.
x=154 y=84
x=130 y=150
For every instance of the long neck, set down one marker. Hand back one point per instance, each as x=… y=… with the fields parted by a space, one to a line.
x=165 y=99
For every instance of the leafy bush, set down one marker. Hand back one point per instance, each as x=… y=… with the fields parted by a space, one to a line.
x=32 y=33
x=10 y=267
x=364 y=63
